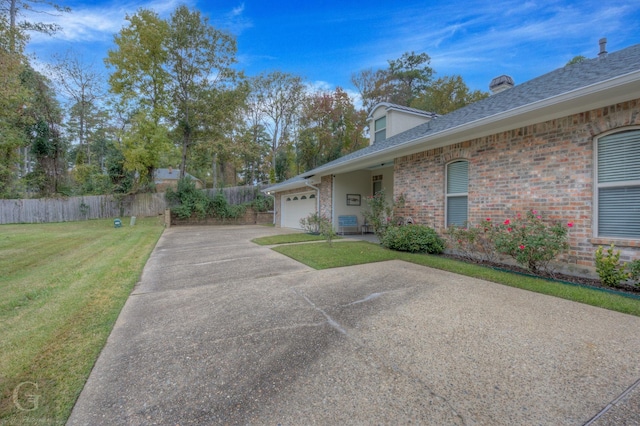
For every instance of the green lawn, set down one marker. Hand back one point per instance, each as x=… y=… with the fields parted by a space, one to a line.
x=288 y=238
x=63 y=286
x=322 y=256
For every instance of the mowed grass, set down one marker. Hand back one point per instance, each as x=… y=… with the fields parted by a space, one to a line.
x=288 y=239
x=62 y=287
x=322 y=256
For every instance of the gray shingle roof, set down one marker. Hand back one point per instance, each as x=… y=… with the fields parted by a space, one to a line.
x=164 y=174
x=563 y=80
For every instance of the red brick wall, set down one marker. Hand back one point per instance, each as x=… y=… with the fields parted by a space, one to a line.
x=546 y=166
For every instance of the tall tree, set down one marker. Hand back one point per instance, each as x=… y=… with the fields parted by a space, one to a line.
x=200 y=59
x=447 y=94
x=330 y=128
x=13 y=9
x=409 y=76
x=408 y=81
x=82 y=85
x=168 y=75
x=278 y=99
x=372 y=87
x=14 y=100
x=400 y=83
x=44 y=135
x=140 y=78
x=140 y=81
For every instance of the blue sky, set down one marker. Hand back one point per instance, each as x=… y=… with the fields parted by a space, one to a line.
x=327 y=41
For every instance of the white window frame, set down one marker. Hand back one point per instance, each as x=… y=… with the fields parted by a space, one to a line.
x=618 y=184
x=377 y=131
x=448 y=195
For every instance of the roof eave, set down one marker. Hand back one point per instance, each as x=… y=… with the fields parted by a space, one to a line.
x=616 y=90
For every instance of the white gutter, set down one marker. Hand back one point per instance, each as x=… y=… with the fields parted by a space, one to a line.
x=306 y=182
x=579 y=100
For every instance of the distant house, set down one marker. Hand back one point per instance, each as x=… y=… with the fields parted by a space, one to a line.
x=566 y=144
x=165 y=178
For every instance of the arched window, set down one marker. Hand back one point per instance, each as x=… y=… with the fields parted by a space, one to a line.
x=312 y=196
x=617 y=186
x=304 y=197
x=457 y=186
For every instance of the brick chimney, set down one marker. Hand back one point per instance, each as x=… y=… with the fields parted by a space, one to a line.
x=170 y=169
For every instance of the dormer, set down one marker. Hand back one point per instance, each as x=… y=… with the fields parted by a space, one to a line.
x=387 y=119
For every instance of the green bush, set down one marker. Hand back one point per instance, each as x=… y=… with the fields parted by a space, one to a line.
x=262 y=203
x=608 y=266
x=187 y=201
x=414 y=239
x=634 y=271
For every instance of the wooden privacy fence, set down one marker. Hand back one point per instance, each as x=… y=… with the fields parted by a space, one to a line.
x=42 y=210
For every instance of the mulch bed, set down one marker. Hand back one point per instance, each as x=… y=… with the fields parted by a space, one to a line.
x=556 y=276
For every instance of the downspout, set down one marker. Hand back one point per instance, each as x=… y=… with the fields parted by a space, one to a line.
x=333 y=199
x=274 y=207
x=306 y=182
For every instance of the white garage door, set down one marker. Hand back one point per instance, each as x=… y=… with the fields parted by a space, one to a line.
x=295 y=207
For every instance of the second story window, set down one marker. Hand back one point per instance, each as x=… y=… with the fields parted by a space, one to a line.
x=380 y=129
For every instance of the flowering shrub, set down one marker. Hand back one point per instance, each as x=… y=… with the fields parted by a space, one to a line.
x=530 y=241
x=380 y=214
x=473 y=243
x=414 y=239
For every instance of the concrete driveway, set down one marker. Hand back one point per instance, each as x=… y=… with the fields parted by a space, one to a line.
x=222 y=331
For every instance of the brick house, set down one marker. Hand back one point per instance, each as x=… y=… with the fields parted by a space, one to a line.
x=566 y=144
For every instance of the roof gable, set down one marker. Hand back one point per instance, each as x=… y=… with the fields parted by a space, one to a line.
x=595 y=77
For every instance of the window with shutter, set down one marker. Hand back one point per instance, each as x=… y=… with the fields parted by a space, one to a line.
x=618 y=185
x=457 y=185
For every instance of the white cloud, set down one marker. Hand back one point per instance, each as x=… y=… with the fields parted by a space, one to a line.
x=97 y=23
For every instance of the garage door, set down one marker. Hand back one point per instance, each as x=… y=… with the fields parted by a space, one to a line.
x=295 y=207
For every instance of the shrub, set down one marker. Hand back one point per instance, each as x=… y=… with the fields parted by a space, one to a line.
x=311 y=223
x=530 y=241
x=473 y=243
x=380 y=214
x=262 y=203
x=608 y=266
x=634 y=271
x=414 y=239
x=187 y=200
x=317 y=224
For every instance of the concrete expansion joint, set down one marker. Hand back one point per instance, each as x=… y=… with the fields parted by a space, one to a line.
x=615 y=402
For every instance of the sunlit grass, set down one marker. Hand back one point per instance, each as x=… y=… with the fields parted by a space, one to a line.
x=63 y=286
x=289 y=239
